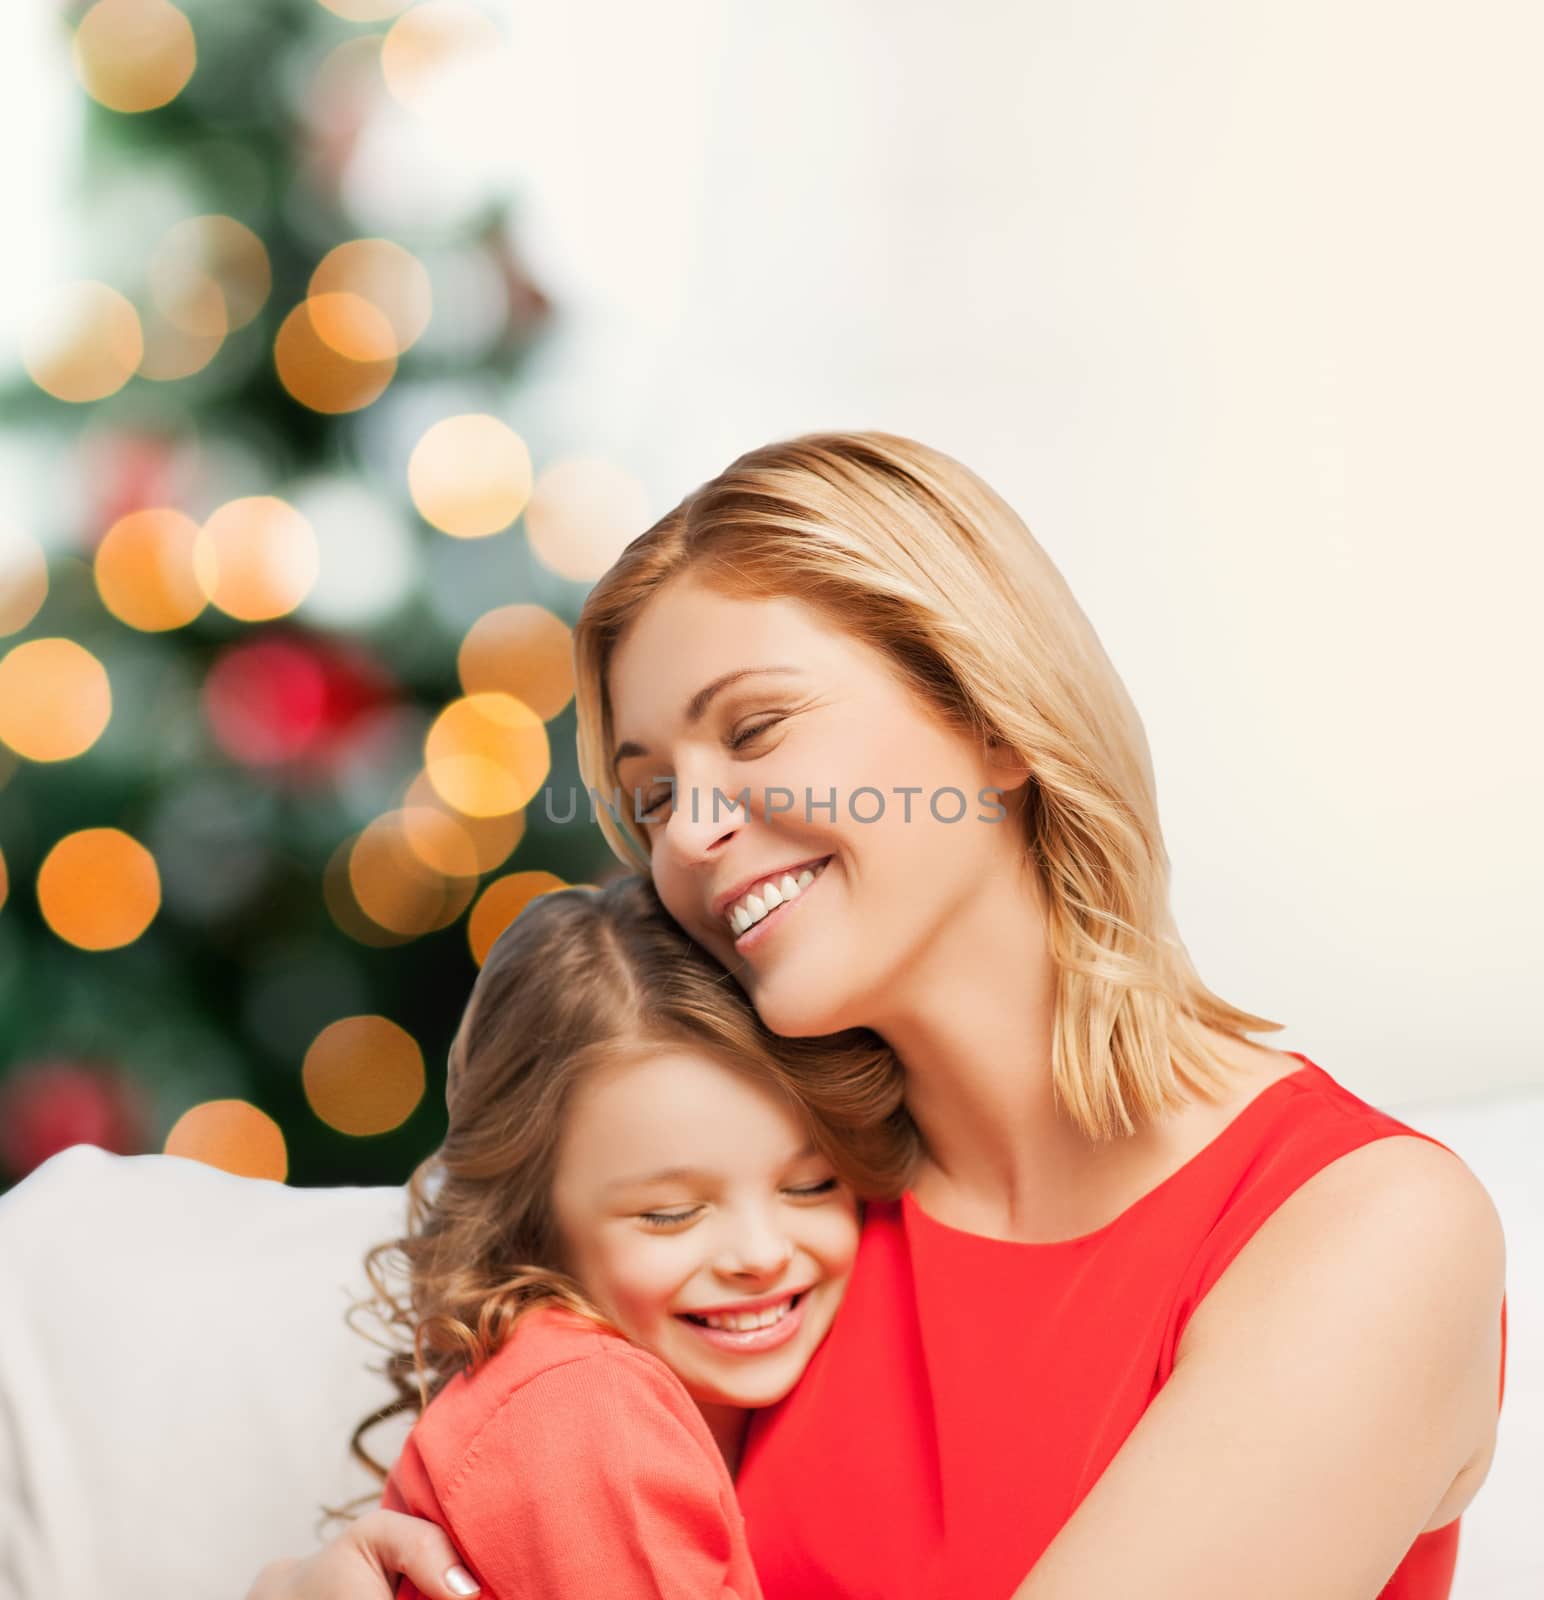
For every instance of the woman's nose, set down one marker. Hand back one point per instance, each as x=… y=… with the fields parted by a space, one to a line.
x=701 y=817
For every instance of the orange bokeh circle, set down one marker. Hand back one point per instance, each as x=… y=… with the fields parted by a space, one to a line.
x=500 y=903
x=232 y=1135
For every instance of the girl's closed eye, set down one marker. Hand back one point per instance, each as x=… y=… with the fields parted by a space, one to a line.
x=664 y=1219
x=803 y=1191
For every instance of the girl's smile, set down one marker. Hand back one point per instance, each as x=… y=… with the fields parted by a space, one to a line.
x=698 y=1214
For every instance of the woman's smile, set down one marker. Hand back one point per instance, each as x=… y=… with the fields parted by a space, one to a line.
x=752 y=918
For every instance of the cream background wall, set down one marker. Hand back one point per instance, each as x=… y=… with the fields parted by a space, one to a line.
x=1238 y=305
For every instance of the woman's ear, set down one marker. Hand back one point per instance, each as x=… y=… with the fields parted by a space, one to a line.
x=1006 y=768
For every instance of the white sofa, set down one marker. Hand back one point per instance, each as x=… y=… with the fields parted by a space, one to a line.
x=177 y=1383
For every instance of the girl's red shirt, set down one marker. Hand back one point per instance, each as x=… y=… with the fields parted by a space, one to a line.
x=575 y=1463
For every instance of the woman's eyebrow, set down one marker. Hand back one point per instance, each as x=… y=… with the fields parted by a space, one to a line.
x=698 y=705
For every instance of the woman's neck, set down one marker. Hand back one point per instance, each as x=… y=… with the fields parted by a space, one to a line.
x=727 y=1424
x=974 y=1033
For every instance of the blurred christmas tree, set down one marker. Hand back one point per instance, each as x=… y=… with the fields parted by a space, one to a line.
x=283 y=674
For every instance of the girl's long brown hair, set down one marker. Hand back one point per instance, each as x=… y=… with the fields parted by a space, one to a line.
x=583 y=977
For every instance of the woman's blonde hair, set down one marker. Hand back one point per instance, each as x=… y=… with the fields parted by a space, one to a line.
x=584 y=977
x=904 y=549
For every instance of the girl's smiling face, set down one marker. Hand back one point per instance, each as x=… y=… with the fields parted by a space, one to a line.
x=687 y=1191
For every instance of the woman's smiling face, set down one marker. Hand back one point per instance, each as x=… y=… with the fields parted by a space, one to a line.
x=689 y=1194
x=812 y=711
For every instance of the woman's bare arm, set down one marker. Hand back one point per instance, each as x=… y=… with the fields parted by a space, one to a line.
x=1334 y=1396
x=365 y=1561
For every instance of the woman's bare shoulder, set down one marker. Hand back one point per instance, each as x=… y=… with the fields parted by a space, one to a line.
x=1396 y=1213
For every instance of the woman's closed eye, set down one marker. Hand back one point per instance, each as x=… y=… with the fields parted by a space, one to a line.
x=737 y=741
x=745 y=735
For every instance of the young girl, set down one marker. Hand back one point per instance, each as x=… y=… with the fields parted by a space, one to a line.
x=636 y=1227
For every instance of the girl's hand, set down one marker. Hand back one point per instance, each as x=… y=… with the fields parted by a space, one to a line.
x=363 y=1563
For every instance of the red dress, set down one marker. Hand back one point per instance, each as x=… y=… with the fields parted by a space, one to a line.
x=972 y=1390
x=573 y=1463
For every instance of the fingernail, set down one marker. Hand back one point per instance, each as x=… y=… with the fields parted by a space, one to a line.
x=461 y=1581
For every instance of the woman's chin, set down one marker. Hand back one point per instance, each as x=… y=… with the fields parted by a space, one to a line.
x=794 y=1013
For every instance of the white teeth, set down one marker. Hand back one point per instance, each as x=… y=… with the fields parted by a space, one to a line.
x=765 y=897
x=744 y=1321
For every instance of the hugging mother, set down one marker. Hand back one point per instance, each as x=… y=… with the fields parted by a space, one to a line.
x=1162 y=1311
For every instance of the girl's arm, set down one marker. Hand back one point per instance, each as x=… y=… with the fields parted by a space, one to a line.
x=595 y=1477
x=1334 y=1396
x=598 y=1477
x=365 y=1561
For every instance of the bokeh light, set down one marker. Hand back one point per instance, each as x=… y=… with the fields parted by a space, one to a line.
x=472 y=305
x=336 y=353
x=23 y=578
x=364 y=1075
x=365 y=10
x=500 y=903
x=5 y=881
x=433 y=42
x=487 y=754
x=396 y=888
x=265 y=701
x=492 y=839
x=582 y=512
x=385 y=276
x=170 y=351
x=522 y=650
x=344 y=909
x=210 y=275
x=146 y=570
x=99 y=889
x=55 y=699
x=368 y=555
x=276 y=698
x=233 y=1136
x=257 y=558
x=470 y=476
x=83 y=343
x=441 y=840
x=51 y=1102
x=134 y=55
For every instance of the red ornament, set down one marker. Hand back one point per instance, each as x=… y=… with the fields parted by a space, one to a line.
x=47 y=1106
x=287 y=700
x=127 y=472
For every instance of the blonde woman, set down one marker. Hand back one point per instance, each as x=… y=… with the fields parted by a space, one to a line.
x=1163 y=1311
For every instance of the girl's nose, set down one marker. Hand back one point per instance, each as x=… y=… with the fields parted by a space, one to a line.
x=756 y=1250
